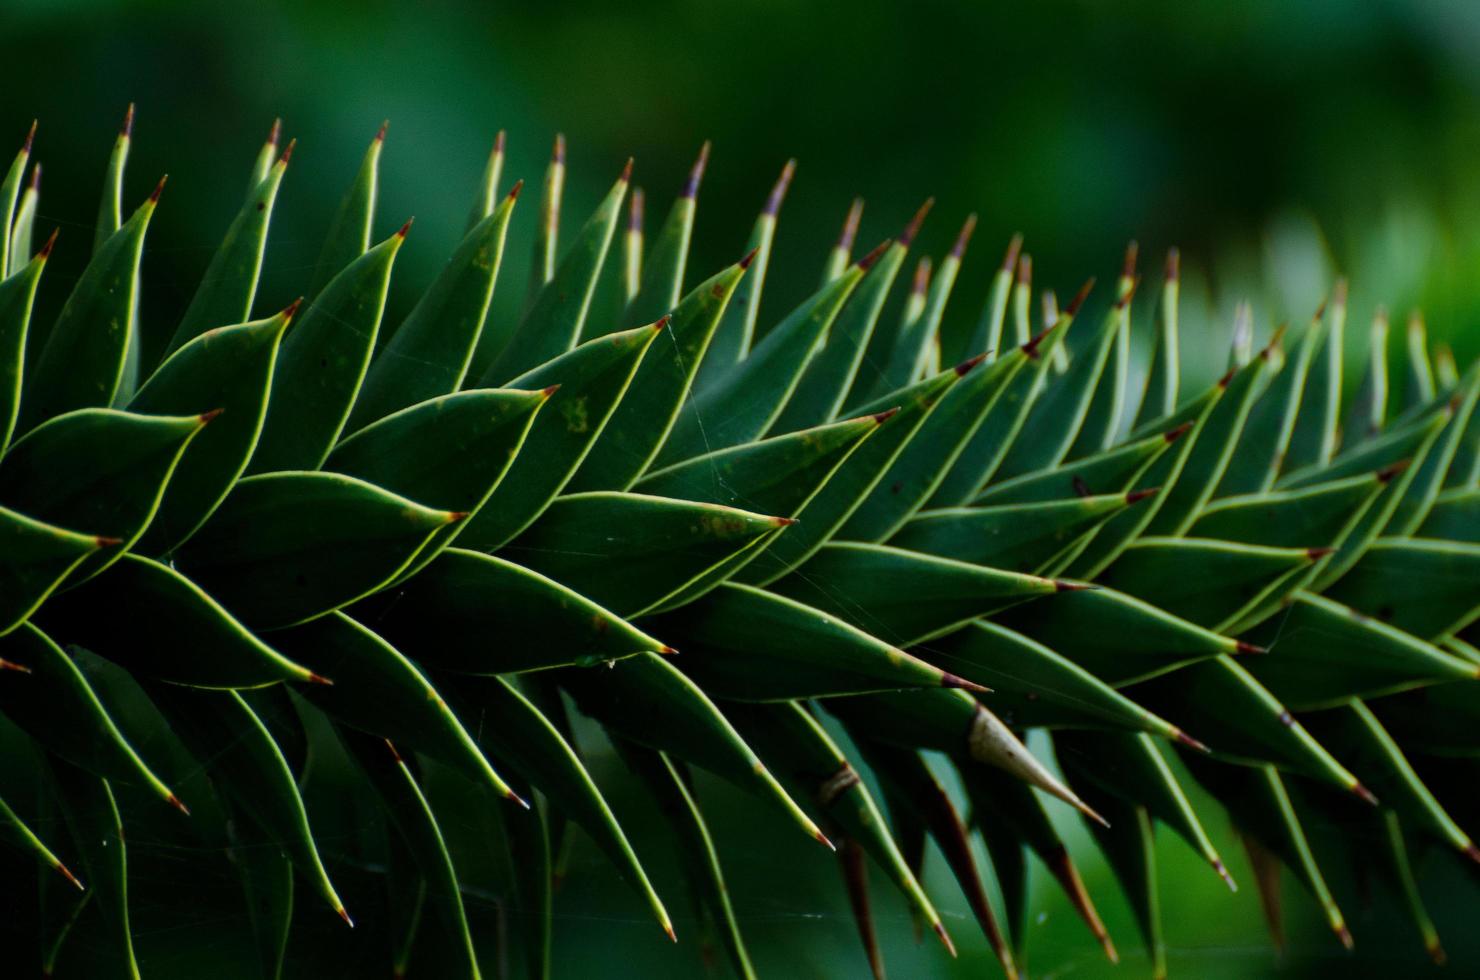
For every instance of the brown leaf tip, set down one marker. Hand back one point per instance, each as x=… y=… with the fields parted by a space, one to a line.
x=499 y=140
x=778 y=192
x=907 y=237
x=636 y=206
x=849 y=233
x=749 y=258
x=391 y=746
x=206 y=418
x=557 y=153
x=696 y=173
x=1138 y=495
x=1249 y=649
x=380 y=133
x=1025 y=269
x=1009 y=261
x=667 y=650
x=319 y=679
x=1060 y=585
x=662 y=323
x=106 y=541
x=1315 y=554
x=549 y=391
x=12 y=665
x=968 y=364
x=36 y=177
x=958 y=248
x=625 y=177
x=1223 y=381
x=291 y=310
x=158 y=190
x=1364 y=794
x=276 y=132
x=867 y=262
x=1191 y=742
x=955 y=682
x=31 y=136
x=821 y=838
x=514 y=191
x=1031 y=347
x=174 y=801
x=921 y=282
x=127 y=129
x=1344 y=934
x=1174 y=264
x=1128 y=266
x=1080 y=297
x=1177 y=432
x=785 y=521
x=51 y=243
x=881 y=417
x=668 y=928
x=288 y=151
x=945 y=939
x=405 y=228
x=63 y=870
x=345 y=916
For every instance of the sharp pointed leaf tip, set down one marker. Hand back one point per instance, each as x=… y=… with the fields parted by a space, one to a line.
x=1174 y=264
x=557 y=153
x=1223 y=381
x=662 y=323
x=1364 y=794
x=319 y=679
x=454 y=516
x=291 y=310
x=1248 y=649
x=66 y=873
x=626 y=176
x=1472 y=852
x=667 y=650
x=1031 y=347
x=1315 y=554
x=51 y=242
x=921 y=281
x=822 y=839
x=1128 y=266
x=11 y=665
x=969 y=363
x=866 y=263
x=158 y=189
x=36 y=177
x=778 y=192
x=1172 y=435
x=405 y=228
x=1013 y=248
x=668 y=928
x=206 y=418
x=127 y=129
x=514 y=191
x=499 y=139
x=749 y=258
x=288 y=151
x=276 y=132
x=380 y=133
x=945 y=938
x=345 y=916
x=511 y=795
x=1219 y=867
x=958 y=248
x=886 y=415
x=785 y=521
x=549 y=391
x=1080 y=297
x=1137 y=495
x=1061 y=585
x=107 y=542
x=851 y=220
x=1191 y=742
x=31 y=136
x=907 y=237
x=696 y=173
x=174 y=801
x=955 y=682
x=1345 y=935
x=1386 y=474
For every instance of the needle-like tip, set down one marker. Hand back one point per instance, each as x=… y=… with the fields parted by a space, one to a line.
x=319 y=679
x=696 y=173
x=158 y=189
x=1013 y=248
x=958 y=248
x=1172 y=435
x=625 y=177
x=968 y=364
x=1364 y=794
x=174 y=801
x=345 y=916
x=1191 y=742
x=749 y=258
x=380 y=133
x=778 y=192
x=907 y=237
x=868 y=260
x=405 y=228
x=276 y=132
x=1248 y=649
x=127 y=129
x=514 y=191
x=291 y=310
x=66 y=873
x=886 y=415
x=950 y=680
x=1079 y=297
x=288 y=151
x=51 y=242
x=1135 y=495
x=945 y=939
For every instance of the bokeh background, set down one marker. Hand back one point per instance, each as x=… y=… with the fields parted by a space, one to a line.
x=1277 y=144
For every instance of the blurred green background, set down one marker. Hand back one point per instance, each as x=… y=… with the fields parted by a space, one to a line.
x=1277 y=144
